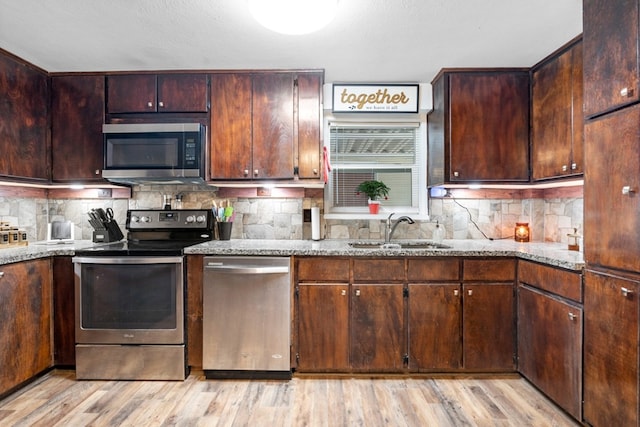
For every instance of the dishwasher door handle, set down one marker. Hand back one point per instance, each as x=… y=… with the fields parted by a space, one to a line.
x=241 y=269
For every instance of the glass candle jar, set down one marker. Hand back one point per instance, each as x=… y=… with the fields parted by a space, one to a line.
x=522 y=232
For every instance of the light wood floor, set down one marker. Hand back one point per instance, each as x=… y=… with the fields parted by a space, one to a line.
x=57 y=399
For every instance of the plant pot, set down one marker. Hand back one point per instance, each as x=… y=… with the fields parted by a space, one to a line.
x=374 y=206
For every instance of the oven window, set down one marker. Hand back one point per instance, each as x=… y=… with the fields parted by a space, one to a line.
x=129 y=296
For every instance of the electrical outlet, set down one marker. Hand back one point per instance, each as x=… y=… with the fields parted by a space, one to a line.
x=104 y=192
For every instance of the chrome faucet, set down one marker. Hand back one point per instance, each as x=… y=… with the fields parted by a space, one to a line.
x=391 y=226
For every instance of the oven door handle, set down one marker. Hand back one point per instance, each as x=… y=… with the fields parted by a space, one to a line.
x=128 y=260
x=240 y=269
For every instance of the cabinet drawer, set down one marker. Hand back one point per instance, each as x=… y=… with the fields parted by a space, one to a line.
x=484 y=269
x=320 y=269
x=429 y=270
x=555 y=280
x=378 y=270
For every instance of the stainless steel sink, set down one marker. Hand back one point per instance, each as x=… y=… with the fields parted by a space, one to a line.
x=398 y=245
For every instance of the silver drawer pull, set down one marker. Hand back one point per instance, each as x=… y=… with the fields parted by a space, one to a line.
x=343 y=292
x=626 y=190
x=626 y=92
x=1 y=274
x=572 y=316
x=470 y=292
x=456 y=292
x=626 y=292
x=357 y=292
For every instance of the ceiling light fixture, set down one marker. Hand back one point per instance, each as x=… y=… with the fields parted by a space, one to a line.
x=293 y=16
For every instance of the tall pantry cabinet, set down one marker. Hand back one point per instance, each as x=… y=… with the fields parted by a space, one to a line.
x=612 y=212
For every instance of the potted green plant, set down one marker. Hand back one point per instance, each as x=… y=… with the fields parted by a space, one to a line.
x=374 y=190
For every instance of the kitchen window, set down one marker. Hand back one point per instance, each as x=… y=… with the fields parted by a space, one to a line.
x=389 y=152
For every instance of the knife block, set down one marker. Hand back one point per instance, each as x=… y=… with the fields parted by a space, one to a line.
x=110 y=233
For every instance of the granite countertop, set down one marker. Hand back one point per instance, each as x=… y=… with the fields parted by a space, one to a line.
x=37 y=250
x=555 y=254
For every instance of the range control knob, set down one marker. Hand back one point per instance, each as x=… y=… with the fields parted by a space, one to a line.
x=145 y=219
x=200 y=218
x=190 y=219
x=135 y=218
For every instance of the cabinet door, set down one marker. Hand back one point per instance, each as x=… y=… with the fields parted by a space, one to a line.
x=488 y=327
x=610 y=350
x=610 y=37
x=577 y=105
x=551 y=117
x=131 y=93
x=182 y=93
x=489 y=126
x=612 y=190
x=273 y=148
x=24 y=137
x=231 y=135
x=25 y=321
x=435 y=314
x=309 y=122
x=378 y=333
x=64 y=350
x=550 y=347
x=77 y=114
x=323 y=327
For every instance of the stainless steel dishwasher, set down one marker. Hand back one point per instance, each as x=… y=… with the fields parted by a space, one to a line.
x=246 y=317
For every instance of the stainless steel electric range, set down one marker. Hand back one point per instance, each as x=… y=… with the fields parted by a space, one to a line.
x=130 y=298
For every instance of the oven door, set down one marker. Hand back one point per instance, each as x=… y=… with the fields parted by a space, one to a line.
x=129 y=299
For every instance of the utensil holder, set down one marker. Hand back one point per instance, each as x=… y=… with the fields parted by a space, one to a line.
x=224 y=230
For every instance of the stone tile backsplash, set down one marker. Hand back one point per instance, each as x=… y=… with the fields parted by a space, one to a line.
x=282 y=218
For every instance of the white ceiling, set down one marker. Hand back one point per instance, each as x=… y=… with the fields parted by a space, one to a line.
x=369 y=40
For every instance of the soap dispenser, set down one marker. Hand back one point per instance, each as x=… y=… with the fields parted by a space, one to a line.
x=438 y=233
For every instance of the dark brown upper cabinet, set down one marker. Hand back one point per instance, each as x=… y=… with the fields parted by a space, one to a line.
x=24 y=112
x=77 y=114
x=265 y=125
x=479 y=127
x=557 y=137
x=161 y=93
x=611 y=56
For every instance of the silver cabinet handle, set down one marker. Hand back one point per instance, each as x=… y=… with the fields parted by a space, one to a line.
x=357 y=292
x=315 y=171
x=456 y=292
x=255 y=172
x=626 y=92
x=626 y=292
x=470 y=292
x=149 y=104
x=343 y=292
x=572 y=316
x=626 y=190
x=456 y=173
x=160 y=104
x=564 y=168
x=1 y=274
x=574 y=166
x=246 y=172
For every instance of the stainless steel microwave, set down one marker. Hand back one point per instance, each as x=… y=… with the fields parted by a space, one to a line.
x=154 y=152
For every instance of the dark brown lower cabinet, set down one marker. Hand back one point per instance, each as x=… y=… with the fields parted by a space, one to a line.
x=610 y=350
x=378 y=338
x=64 y=341
x=323 y=327
x=435 y=341
x=25 y=321
x=488 y=327
x=550 y=346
